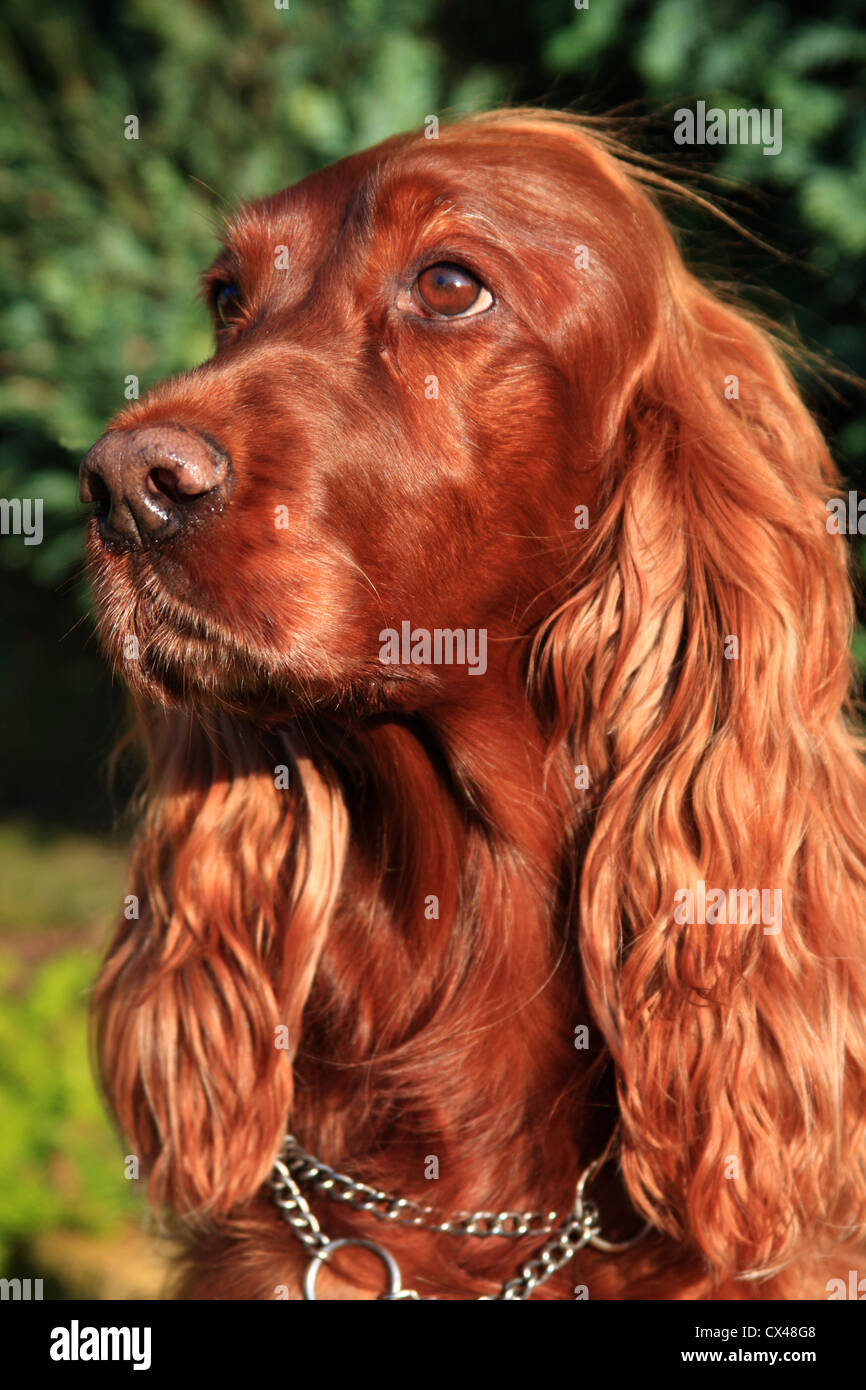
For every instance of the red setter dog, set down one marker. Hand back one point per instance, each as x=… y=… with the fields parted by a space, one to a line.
x=504 y=824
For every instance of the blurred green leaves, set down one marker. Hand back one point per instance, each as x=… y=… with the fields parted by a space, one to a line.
x=60 y=1161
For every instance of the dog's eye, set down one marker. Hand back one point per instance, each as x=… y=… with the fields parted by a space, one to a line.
x=227 y=304
x=451 y=292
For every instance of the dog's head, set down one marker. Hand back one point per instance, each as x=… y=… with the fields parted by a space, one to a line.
x=429 y=359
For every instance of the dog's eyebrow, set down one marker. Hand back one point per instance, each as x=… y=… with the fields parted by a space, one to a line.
x=386 y=179
x=251 y=221
x=439 y=206
x=362 y=201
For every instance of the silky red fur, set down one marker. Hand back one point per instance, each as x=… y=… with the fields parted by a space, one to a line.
x=600 y=385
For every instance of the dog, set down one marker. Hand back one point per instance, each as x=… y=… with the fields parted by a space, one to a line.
x=402 y=1003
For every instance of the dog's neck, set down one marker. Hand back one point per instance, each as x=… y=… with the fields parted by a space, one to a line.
x=441 y=1022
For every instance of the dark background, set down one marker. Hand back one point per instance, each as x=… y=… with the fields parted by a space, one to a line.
x=101 y=243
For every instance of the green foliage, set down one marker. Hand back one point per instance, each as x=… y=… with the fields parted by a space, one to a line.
x=735 y=53
x=60 y=1163
x=84 y=884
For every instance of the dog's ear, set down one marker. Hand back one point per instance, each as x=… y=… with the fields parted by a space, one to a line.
x=699 y=672
x=197 y=1010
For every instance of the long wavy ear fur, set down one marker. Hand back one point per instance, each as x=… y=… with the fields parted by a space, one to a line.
x=740 y=1052
x=198 y=1008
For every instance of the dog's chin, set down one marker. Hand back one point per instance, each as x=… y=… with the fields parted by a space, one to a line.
x=176 y=655
x=193 y=682
x=180 y=672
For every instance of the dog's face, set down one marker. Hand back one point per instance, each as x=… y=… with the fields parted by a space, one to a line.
x=395 y=427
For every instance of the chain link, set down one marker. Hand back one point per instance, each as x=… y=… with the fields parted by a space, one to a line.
x=295 y=1208
x=361 y=1197
x=580 y=1228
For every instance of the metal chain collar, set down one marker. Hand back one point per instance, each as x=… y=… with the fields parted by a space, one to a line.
x=293 y=1166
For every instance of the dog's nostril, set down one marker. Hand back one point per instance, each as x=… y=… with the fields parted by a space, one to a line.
x=161 y=482
x=97 y=492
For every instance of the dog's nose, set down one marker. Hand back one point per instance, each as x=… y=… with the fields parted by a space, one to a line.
x=149 y=483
